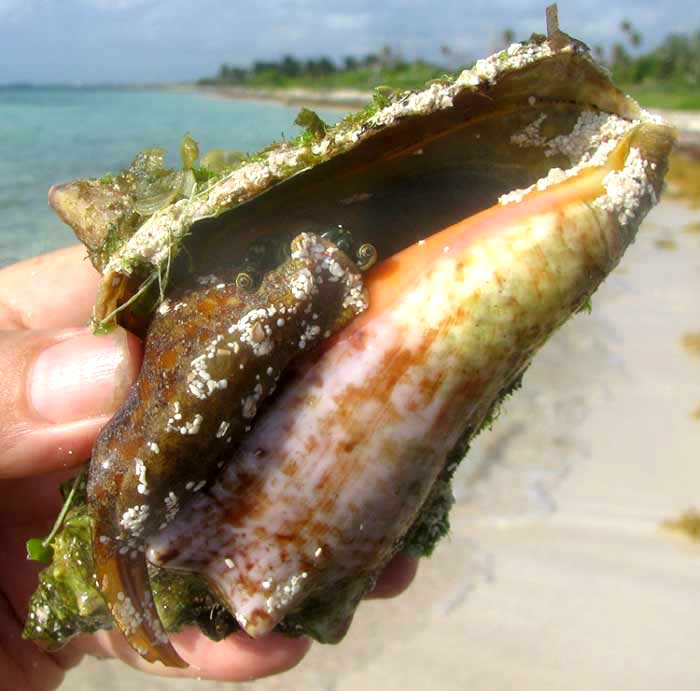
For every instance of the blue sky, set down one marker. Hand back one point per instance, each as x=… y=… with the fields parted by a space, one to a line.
x=171 y=40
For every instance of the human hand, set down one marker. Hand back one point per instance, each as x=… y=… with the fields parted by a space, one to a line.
x=60 y=385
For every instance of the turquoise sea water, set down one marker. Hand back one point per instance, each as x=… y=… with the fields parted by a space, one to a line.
x=50 y=135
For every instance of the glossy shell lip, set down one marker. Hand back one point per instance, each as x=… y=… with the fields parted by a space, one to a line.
x=565 y=238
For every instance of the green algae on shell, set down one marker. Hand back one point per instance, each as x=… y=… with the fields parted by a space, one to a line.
x=687 y=524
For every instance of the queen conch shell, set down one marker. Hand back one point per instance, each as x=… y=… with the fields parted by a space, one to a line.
x=497 y=202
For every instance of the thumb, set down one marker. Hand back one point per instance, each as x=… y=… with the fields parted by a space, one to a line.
x=58 y=389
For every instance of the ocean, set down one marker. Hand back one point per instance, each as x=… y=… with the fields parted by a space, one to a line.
x=50 y=135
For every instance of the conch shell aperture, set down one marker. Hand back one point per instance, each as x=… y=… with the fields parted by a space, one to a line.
x=497 y=202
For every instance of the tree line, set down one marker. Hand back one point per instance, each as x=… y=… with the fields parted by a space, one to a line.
x=676 y=59
x=290 y=67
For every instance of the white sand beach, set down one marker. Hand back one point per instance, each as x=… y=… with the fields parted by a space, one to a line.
x=557 y=574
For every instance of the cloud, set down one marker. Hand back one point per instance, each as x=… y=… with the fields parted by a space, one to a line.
x=170 y=40
x=9 y=8
x=346 y=21
x=116 y=5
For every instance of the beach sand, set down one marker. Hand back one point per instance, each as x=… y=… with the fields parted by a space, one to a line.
x=557 y=573
x=334 y=99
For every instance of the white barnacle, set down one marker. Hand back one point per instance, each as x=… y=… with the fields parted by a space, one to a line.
x=197 y=389
x=140 y=470
x=172 y=506
x=249 y=406
x=303 y=285
x=312 y=332
x=335 y=269
x=192 y=427
x=253 y=333
x=208 y=280
x=625 y=188
x=126 y=614
x=134 y=519
x=530 y=135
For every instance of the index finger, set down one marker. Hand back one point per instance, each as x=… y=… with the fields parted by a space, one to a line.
x=54 y=290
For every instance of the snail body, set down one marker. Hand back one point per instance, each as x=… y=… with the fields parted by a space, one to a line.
x=213 y=355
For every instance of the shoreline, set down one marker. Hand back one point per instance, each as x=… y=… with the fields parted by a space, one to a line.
x=340 y=99
x=687 y=123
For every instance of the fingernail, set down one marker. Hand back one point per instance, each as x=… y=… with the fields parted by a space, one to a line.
x=83 y=376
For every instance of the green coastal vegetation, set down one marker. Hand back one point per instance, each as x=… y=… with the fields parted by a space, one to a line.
x=364 y=73
x=666 y=76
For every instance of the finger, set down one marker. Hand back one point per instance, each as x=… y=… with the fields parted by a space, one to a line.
x=55 y=290
x=236 y=658
x=59 y=387
x=46 y=497
x=396 y=577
